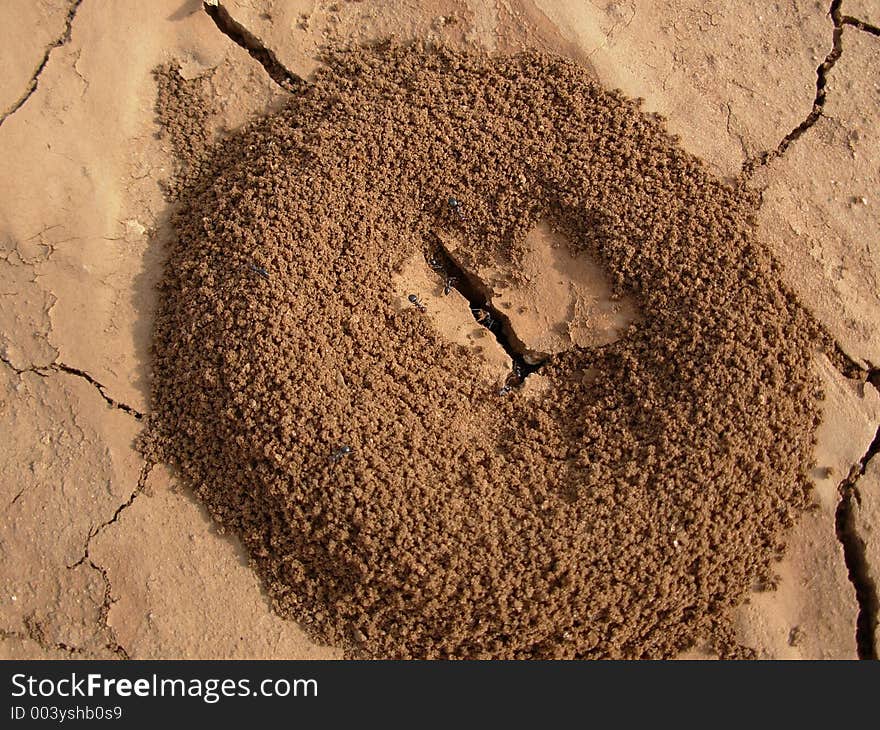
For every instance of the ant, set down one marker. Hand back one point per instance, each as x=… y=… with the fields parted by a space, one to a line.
x=340 y=453
x=448 y=284
x=483 y=317
x=440 y=268
x=259 y=270
x=417 y=303
x=455 y=205
x=517 y=376
x=514 y=379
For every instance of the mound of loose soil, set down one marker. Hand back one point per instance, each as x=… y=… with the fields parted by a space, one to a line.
x=621 y=511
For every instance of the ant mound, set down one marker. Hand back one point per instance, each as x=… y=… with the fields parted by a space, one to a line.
x=393 y=499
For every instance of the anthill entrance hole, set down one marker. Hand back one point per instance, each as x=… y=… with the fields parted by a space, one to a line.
x=479 y=298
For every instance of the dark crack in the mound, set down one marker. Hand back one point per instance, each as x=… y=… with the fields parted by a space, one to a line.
x=620 y=514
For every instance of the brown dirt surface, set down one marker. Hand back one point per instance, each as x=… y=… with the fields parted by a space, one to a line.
x=108 y=555
x=622 y=514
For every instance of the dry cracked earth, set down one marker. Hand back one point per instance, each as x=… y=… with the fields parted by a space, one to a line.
x=105 y=556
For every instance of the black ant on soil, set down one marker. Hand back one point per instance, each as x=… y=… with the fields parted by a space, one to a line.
x=455 y=205
x=448 y=284
x=483 y=317
x=440 y=268
x=515 y=378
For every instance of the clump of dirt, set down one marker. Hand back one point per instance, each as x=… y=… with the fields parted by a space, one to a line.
x=185 y=110
x=391 y=497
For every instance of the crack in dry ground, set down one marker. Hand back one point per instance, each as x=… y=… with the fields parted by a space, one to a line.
x=822 y=73
x=487 y=315
x=35 y=78
x=112 y=644
x=855 y=555
x=34 y=632
x=58 y=367
x=854 y=548
x=97 y=530
x=861 y=25
x=103 y=622
x=61 y=367
x=846 y=365
x=240 y=35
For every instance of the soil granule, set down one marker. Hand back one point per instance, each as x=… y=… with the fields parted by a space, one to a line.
x=392 y=498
